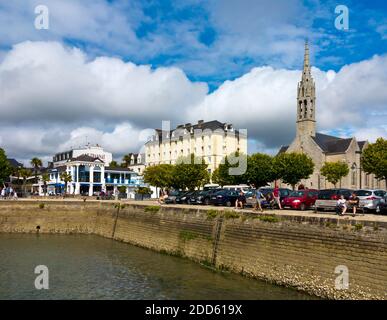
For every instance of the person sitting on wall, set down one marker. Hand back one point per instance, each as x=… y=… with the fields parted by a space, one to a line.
x=341 y=206
x=240 y=200
x=354 y=202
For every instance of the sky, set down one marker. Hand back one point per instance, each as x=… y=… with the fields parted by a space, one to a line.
x=108 y=71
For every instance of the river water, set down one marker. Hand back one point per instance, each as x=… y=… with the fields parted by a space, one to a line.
x=92 y=267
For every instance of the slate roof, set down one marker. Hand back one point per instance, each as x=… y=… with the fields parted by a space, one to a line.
x=86 y=158
x=283 y=149
x=331 y=144
x=118 y=169
x=14 y=163
x=201 y=125
x=361 y=144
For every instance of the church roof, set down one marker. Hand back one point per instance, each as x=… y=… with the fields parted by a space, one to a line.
x=283 y=149
x=331 y=144
x=361 y=144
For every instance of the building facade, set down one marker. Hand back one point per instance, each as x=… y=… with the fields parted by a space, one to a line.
x=90 y=175
x=137 y=163
x=325 y=148
x=211 y=141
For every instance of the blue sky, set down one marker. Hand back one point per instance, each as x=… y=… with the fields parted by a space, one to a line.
x=185 y=60
x=212 y=40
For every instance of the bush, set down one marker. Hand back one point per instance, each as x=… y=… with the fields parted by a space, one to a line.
x=212 y=214
x=231 y=215
x=152 y=209
x=41 y=205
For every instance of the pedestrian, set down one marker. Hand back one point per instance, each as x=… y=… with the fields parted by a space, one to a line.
x=277 y=194
x=341 y=206
x=258 y=198
x=354 y=202
x=241 y=199
x=2 y=194
x=161 y=197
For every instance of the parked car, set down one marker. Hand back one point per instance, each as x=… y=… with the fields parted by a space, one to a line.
x=284 y=192
x=203 y=196
x=237 y=187
x=250 y=198
x=369 y=199
x=224 y=198
x=381 y=207
x=172 y=196
x=184 y=197
x=327 y=198
x=300 y=199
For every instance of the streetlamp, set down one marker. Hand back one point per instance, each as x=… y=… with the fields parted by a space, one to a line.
x=360 y=168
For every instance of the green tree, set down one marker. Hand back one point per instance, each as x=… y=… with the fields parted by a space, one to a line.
x=36 y=163
x=374 y=159
x=160 y=176
x=114 y=164
x=222 y=176
x=143 y=191
x=24 y=173
x=5 y=167
x=334 y=171
x=45 y=179
x=190 y=172
x=292 y=167
x=66 y=178
x=126 y=160
x=259 y=170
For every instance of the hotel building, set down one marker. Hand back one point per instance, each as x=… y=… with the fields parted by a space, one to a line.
x=211 y=141
x=90 y=173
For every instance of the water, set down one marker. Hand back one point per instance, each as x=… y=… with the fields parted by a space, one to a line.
x=92 y=267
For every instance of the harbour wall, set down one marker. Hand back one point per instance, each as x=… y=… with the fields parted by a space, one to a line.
x=309 y=253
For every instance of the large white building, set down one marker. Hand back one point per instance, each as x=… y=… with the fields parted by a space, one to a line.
x=211 y=141
x=90 y=173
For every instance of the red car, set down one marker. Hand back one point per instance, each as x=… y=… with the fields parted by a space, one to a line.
x=300 y=199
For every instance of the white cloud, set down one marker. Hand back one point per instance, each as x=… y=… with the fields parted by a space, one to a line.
x=52 y=97
x=45 y=81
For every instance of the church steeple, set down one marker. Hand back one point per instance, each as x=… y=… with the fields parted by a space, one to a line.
x=306 y=100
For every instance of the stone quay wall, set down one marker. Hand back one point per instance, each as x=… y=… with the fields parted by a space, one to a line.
x=297 y=251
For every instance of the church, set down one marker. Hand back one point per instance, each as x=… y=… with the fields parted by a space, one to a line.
x=325 y=148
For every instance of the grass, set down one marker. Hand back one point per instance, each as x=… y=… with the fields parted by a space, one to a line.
x=212 y=214
x=152 y=209
x=266 y=218
x=358 y=226
x=187 y=235
x=229 y=214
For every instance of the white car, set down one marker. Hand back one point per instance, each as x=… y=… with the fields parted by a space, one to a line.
x=369 y=199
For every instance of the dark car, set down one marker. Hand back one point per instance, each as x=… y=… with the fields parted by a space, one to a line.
x=203 y=196
x=183 y=197
x=300 y=199
x=327 y=198
x=172 y=196
x=381 y=207
x=224 y=198
x=193 y=196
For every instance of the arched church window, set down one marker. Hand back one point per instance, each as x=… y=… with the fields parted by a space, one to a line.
x=303 y=91
x=354 y=174
x=306 y=108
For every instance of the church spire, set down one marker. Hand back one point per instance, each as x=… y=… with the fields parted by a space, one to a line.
x=306 y=100
x=306 y=71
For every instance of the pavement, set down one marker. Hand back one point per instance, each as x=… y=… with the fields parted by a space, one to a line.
x=296 y=213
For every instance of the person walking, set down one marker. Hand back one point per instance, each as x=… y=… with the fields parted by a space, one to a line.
x=258 y=198
x=277 y=195
x=2 y=194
